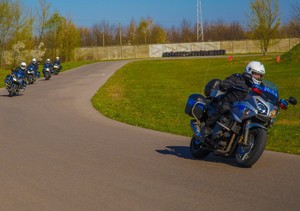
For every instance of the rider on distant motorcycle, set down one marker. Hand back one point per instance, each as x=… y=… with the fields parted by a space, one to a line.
x=253 y=74
x=35 y=65
x=57 y=62
x=22 y=71
x=47 y=65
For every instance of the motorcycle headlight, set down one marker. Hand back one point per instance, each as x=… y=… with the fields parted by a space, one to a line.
x=262 y=108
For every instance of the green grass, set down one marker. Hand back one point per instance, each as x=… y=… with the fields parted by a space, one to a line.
x=153 y=93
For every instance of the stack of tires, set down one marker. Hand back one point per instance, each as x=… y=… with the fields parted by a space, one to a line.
x=194 y=53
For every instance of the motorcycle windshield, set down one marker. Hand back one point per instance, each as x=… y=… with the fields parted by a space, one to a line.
x=31 y=68
x=19 y=75
x=270 y=91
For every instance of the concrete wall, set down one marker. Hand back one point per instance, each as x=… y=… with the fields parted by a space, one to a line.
x=112 y=52
x=249 y=46
x=156 y=51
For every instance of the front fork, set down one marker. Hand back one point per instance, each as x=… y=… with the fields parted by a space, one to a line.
x=247 y=126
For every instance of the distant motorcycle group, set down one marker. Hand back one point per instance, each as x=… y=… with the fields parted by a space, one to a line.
x=19 y=78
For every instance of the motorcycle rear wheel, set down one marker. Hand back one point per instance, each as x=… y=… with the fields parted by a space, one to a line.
x=197 y=149
x=248 y=155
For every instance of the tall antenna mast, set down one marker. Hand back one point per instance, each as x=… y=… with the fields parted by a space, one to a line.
x=199 y=22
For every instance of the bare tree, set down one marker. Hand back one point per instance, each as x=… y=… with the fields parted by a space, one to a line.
x=43 y=15
x=97 y=34
x=295 y=19
x=131 y=33
x=187 y=31
x=264 y=23
x=173 y=35
x=85 y=37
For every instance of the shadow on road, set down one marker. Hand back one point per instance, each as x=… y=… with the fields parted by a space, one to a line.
x=184 y=152
x=179 y=151
x=6 y=95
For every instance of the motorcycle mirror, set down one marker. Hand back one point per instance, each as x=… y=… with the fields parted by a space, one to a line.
x=283 y=104
x=292 y=100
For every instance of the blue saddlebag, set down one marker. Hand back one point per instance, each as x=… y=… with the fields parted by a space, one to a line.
x=195 y=105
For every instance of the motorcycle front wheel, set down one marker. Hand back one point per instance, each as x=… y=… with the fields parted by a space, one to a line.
x=13 y=90
x=248 y=154
x=197 y=149
x=47 y=76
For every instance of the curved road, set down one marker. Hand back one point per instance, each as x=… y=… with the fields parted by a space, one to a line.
x=58 y=153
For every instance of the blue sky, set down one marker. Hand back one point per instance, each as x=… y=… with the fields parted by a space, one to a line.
x=162 y=12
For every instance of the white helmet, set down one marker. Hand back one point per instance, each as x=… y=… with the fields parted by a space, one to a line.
x=34 y=60
x=258 y=68
x=57 y=58
x=23 y=65
x=47 y=60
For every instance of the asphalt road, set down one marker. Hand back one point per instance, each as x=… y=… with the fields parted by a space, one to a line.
x=58 y=153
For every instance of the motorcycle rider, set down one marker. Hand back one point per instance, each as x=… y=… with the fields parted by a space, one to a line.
x=35 y=64
x=22 y=71
x=57 y=61
x=253 y=74
x=47 y=64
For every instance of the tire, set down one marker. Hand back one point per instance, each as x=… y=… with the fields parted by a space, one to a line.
x=197 y=149
x=246 y=156
x=47 y=76
x=12 y=90
x=11 y=93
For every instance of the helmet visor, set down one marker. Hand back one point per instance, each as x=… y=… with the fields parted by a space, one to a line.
x=258 y=76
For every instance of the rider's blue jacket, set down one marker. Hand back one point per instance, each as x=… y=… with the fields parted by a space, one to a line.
x=20 y=72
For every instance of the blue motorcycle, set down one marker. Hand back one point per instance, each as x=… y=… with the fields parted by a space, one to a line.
x=15 y=83
x=47 y=71
x=32 y=74
x=56 y=68
x=241 y=132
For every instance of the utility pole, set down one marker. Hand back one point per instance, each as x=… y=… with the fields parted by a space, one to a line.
x=199 y=22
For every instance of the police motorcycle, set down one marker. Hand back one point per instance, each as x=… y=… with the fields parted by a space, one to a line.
x=32 y=74
x=47 y=70
x=15 y=83
x=56 y=68
x=241 y=132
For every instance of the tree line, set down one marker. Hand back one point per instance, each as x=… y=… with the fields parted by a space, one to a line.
x=45 y=34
